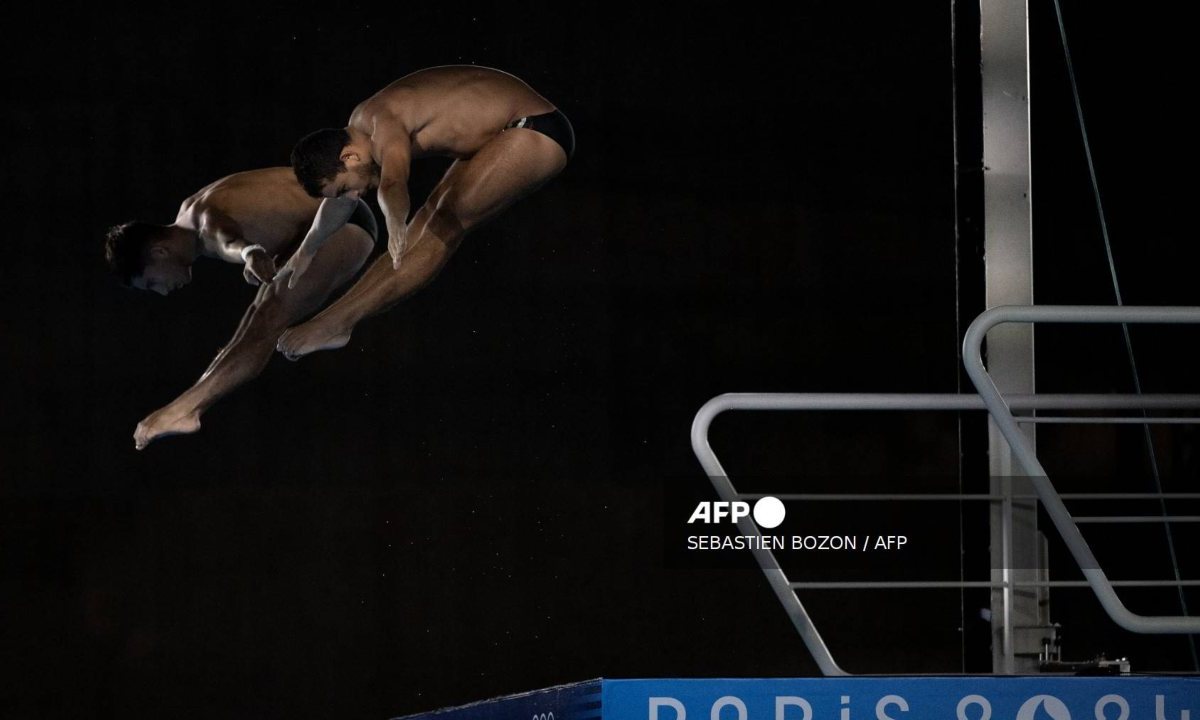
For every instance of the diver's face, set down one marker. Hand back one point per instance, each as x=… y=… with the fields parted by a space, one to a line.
x=163 y=273
x=352 y=182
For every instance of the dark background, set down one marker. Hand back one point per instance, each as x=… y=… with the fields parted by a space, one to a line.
x=467 y=501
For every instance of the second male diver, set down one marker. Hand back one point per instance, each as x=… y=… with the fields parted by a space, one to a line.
x=250 y=218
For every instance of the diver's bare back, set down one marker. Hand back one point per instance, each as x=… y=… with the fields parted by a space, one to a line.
x=451 y=111
x=267 y=206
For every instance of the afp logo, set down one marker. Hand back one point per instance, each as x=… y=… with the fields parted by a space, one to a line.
x=768 y=512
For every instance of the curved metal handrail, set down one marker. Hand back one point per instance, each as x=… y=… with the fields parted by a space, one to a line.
x=785 y=589
x=1023 y=450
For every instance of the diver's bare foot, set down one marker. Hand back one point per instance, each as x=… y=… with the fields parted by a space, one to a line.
x=314 y=335
x=164 y=423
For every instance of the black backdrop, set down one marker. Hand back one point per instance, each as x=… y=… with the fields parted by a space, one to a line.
x=467 y=500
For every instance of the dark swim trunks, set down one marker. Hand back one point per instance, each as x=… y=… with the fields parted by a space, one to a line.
x=365 y=219
x=553 y=125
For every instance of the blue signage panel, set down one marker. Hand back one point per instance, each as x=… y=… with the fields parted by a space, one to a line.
x=905 y=698
x=874 y=698
x=577 y=701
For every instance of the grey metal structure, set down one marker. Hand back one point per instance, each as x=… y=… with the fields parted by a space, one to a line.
x=1008 y=278
x=1001 y=409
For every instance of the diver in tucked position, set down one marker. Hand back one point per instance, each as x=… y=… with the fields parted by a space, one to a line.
x=249 y=218
x=506 y=140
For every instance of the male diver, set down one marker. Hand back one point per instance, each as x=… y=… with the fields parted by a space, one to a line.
x=506 y=141
x=249 y=218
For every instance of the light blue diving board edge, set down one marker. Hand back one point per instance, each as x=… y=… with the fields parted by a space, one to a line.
x=1163 y=697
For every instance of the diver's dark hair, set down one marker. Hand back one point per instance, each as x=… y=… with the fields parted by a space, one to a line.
x=125 y=248
x=317 y=158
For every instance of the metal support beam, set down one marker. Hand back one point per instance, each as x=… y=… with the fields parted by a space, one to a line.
x=1008 y=263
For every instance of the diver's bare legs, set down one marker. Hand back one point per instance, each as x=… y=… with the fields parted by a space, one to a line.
x=508 y=167
x=274 y=308
x=237 y=334
x=421 y=261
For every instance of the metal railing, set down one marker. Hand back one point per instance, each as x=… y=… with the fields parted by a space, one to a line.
x=1000 y=409
x=1023 y=451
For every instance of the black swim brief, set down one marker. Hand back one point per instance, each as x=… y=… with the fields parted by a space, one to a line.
x=553 y=125
x=365 y=219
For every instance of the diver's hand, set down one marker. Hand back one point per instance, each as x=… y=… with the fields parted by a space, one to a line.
x=260 y=268
x=396 y=244
x=295 y=267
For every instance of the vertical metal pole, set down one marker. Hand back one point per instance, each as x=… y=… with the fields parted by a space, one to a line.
x=1008 y=267
x=1006 y=592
